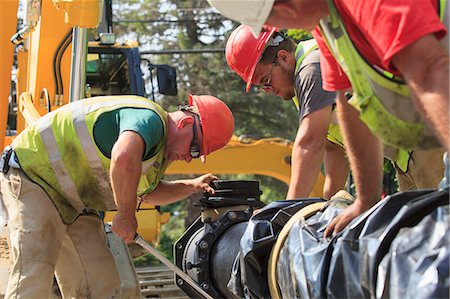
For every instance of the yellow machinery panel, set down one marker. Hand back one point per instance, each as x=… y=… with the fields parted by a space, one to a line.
x=149 y=222
x=269 y=156
x=8 y=23
x=36 y=91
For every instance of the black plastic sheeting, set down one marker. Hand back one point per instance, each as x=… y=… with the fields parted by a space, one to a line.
x=300 y=263
x=249 y=277
x=359 y=250
x=417 y=264
x=399 y=247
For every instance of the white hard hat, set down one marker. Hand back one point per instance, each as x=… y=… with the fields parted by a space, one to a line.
x=253 y=13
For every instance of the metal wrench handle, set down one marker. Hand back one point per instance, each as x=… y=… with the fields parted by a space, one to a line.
x=144 y=244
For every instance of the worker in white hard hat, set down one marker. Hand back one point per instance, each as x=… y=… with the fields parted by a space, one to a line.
x=391 y=59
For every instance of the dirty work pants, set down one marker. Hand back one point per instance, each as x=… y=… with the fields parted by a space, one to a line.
x=425 y=170
x=43 y=246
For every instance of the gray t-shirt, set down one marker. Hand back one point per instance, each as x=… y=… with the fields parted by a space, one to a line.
x=308 y=86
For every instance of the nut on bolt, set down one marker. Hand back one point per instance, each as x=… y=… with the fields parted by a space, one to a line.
x=203 y=245
x=232 y=215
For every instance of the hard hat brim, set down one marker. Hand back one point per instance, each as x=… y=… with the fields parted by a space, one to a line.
x=261 y=48
x=251 y=13
x=217 y=123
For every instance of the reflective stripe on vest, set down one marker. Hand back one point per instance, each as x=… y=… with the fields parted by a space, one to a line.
x=334 y=135
x=66 y=184
x=60 y=154
x=384 y=103
x=153 y=168
x=90 y=151
x=302 y=50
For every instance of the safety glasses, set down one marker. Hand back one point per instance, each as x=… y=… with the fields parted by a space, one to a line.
x=267 y=85
x=194 y=150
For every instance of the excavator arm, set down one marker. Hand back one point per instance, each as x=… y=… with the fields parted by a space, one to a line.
x=48 y=77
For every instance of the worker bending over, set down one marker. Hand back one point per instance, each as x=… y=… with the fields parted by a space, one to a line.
x=92 y=155
x=395 y=57
x=276 y=64
x=295 y=73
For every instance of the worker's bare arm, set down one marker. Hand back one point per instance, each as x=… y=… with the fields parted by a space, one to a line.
x=425 y=66
x=168 y=192
x=336 y=169
x=125 y=171
x=365 y=153
x=308 y=152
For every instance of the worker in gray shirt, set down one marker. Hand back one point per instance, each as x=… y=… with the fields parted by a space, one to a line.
x=276 y=64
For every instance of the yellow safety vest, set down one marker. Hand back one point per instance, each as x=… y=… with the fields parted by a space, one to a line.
x=383 y=100
x=302 y=50
x=334 y=135
x=59 y=153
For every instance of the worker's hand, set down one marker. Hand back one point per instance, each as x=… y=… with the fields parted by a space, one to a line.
x=125 y=226
x=344 y=218
x=201 y=183
x=256 y=211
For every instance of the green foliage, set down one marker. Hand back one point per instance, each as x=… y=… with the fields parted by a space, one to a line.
x=170 y=232
x=272 y=189
x=389 y=178
x=298 y=35
x=256 y=113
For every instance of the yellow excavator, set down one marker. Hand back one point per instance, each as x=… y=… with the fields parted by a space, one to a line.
x=52 y=63
x=53 y=68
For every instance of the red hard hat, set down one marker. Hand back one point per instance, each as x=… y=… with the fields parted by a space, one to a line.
x=217 y=122
x=244 y=51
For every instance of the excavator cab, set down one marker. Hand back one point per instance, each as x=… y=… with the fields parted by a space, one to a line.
x=113 y=70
